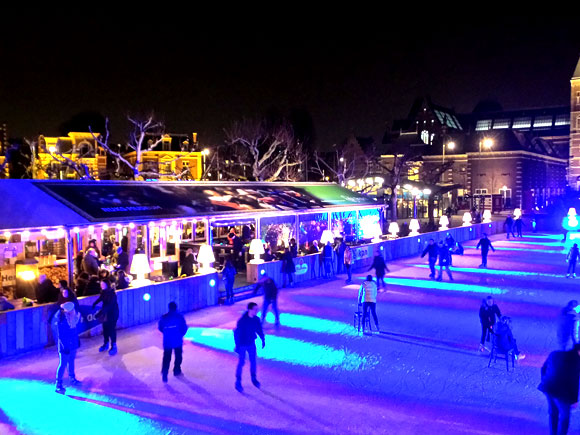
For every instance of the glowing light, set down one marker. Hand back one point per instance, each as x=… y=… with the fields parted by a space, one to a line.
x=351 y=183
x=451 y=146
x=151 y=224
x=131 y=225
x=486 y=216
x=314 y=324
x=119 y=226
x=572 y=211
x=414 y=227
x=43 y=232
x=60 y=233
x=427 y=191
x=441 y=285
x=212 y=282
x=467 y=219
x=91 y=229
x=262 y=272
x=146 y=297
x=105 y=227
x=517 y=213
x=443 y=222
x=27 y=275
x=285 y=350
x=533 y=242
x=326 y=237
x=394 y=229
x=76 y=230
x=7 y=234
x=520 y=249
x=379 y=180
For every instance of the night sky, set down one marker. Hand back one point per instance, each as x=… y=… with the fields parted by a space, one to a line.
x=353 y=75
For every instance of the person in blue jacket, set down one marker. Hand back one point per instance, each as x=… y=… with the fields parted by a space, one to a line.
x=174 y=328
x=67 y=319
x=432 y=250
x=229 y=276
x=248 y=327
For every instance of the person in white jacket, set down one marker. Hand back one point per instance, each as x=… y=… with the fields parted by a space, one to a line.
x=367 y=296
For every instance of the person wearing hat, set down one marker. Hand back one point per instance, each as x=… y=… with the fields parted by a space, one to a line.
x=67 y=343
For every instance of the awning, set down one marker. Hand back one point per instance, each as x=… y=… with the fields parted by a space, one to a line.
x=35 y=203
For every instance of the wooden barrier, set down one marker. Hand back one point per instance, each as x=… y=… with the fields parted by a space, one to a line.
x=25 y=329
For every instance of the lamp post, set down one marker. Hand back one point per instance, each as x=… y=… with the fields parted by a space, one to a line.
x=449 y=146
x=204 y=154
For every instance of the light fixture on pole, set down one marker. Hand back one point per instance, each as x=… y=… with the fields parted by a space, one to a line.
x=205 y=258
x=414 y=227
x=140 y=266
x=394 y=229
x=449 y=146
x=443 y=222
x=256 y=249
x=466 y=219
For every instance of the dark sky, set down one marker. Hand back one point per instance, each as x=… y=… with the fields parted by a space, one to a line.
x=352 y=75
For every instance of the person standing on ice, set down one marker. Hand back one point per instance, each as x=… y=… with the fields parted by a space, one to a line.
x=380 y=266
x=431 y=249
x=248 y=327
x=485 y=244
x=367 y=297
x=488 y=314
x=174 y=328
x=68 y=342
x=519 y=224
x=572 y=258
x=569 y=325
x=444 y=254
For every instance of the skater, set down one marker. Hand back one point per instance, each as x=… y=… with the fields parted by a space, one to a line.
x=487 y=317
x=248 y=327
x=444 y=254
x=174 y=328
x=560 y=377
x=67 y=343
x=288 y=268
x=348 y=263
x=572 y=258
x=380 y=266
x=509 y=227
x=505 y=340
x=229 y=276
x=519 y=223
x=485 y=244
x=367 y=296
x=568 y=325
x=432 y=250
x=450 y=242
x=327 y=257
x=339 y=250
x=108 y=315
x=270 y=297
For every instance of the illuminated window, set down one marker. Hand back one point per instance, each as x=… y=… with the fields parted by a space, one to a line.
x=482 y=125
x=577 y=97
x=562 y=119
x=543 y=121
x=481 y=191
x=426 y=138
x=522 y=123
x=501 y=123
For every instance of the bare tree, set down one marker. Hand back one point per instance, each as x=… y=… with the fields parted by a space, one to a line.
x=340 y=165
x=62 y=161
x=263 y=152
x=432 y=176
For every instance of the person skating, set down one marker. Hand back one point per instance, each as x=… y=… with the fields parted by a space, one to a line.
x=348 y=263
x=339 y=250
x=488 y=314
x=560 y=378
x=505 y=340
x=572 y=258
x=432 y=250
x=68 y=342
x=485 y=245
x=509 y=227
x=108 y=314
x=569 y=325
x=367 y=296
x=247 y=328
x=450 y=242
x=174 y=328
x=444 y=254
x=327 y=260
x=288 y=268
x=518 y=224
x=270 y=297
x=229 y=276
x=380 y=267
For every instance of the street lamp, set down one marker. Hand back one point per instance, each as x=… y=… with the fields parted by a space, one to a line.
x=204 y=154
x=449 y=146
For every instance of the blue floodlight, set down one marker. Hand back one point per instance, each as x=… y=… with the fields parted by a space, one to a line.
x=212 y=282
x=146 y=297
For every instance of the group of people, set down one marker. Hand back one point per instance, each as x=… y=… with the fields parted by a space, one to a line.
x=513 y=226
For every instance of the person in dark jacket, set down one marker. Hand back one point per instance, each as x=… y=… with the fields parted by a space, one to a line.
x=572 y=258
x=293 y=248
x=46 y=291
x=288 y=268
x=229 y=276
x=560 y=378
x=568 y=325
x=247 y=328
x=444 y=254
x=90 y=262
x=339 y=250
x=450 y=243
x=518 y=224
x=188 y=262
x=173 y=327
x=78 y=263
x=509 y=227
x=504 y=337
x=67 y=343
x=108 y=314
x=82 y=283
x=93 y=286
x=488 y=312
x=122 y=280
x=93 y=245
x=348 y=260
x=327 y=260
x=270 y=297
x=485 y=245
x=313 y=249
x=65 y=295
x=380 y=266
x=268 y=256
x=432 y=250
x=122 y=260
x=238 y=249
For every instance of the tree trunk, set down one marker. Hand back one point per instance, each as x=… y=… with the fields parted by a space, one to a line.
x=393 y=204
x=430 y=210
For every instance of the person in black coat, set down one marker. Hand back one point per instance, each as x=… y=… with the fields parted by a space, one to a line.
x=288 y=267
x=485 y=245
x=432 y=250
x=188 y=262
x=122 y=260
x=229 y=277
x=569 y=325
x=488 y=313
x=82 y=283
x=46 y=291
x=444 y=262
x=560 y=379
x=67 y=339
x=450 y=243
x=509 y=227
x=93 y=286
x=505 y=340
x=238 y=249
x=380 y=266
x=247 y=328
x=572 y=258
x=293 y=248
x=174 y=328
x=340 y=248
x=270 y=297
x=108 y=314
x=519 y=223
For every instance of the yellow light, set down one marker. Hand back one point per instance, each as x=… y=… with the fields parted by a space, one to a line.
x=27 y=275
x=7 y=234
x=451 y=146
x=60 y=233
x=105 y=227
x=488 y=143
x=44 y=232
x=205 y=152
